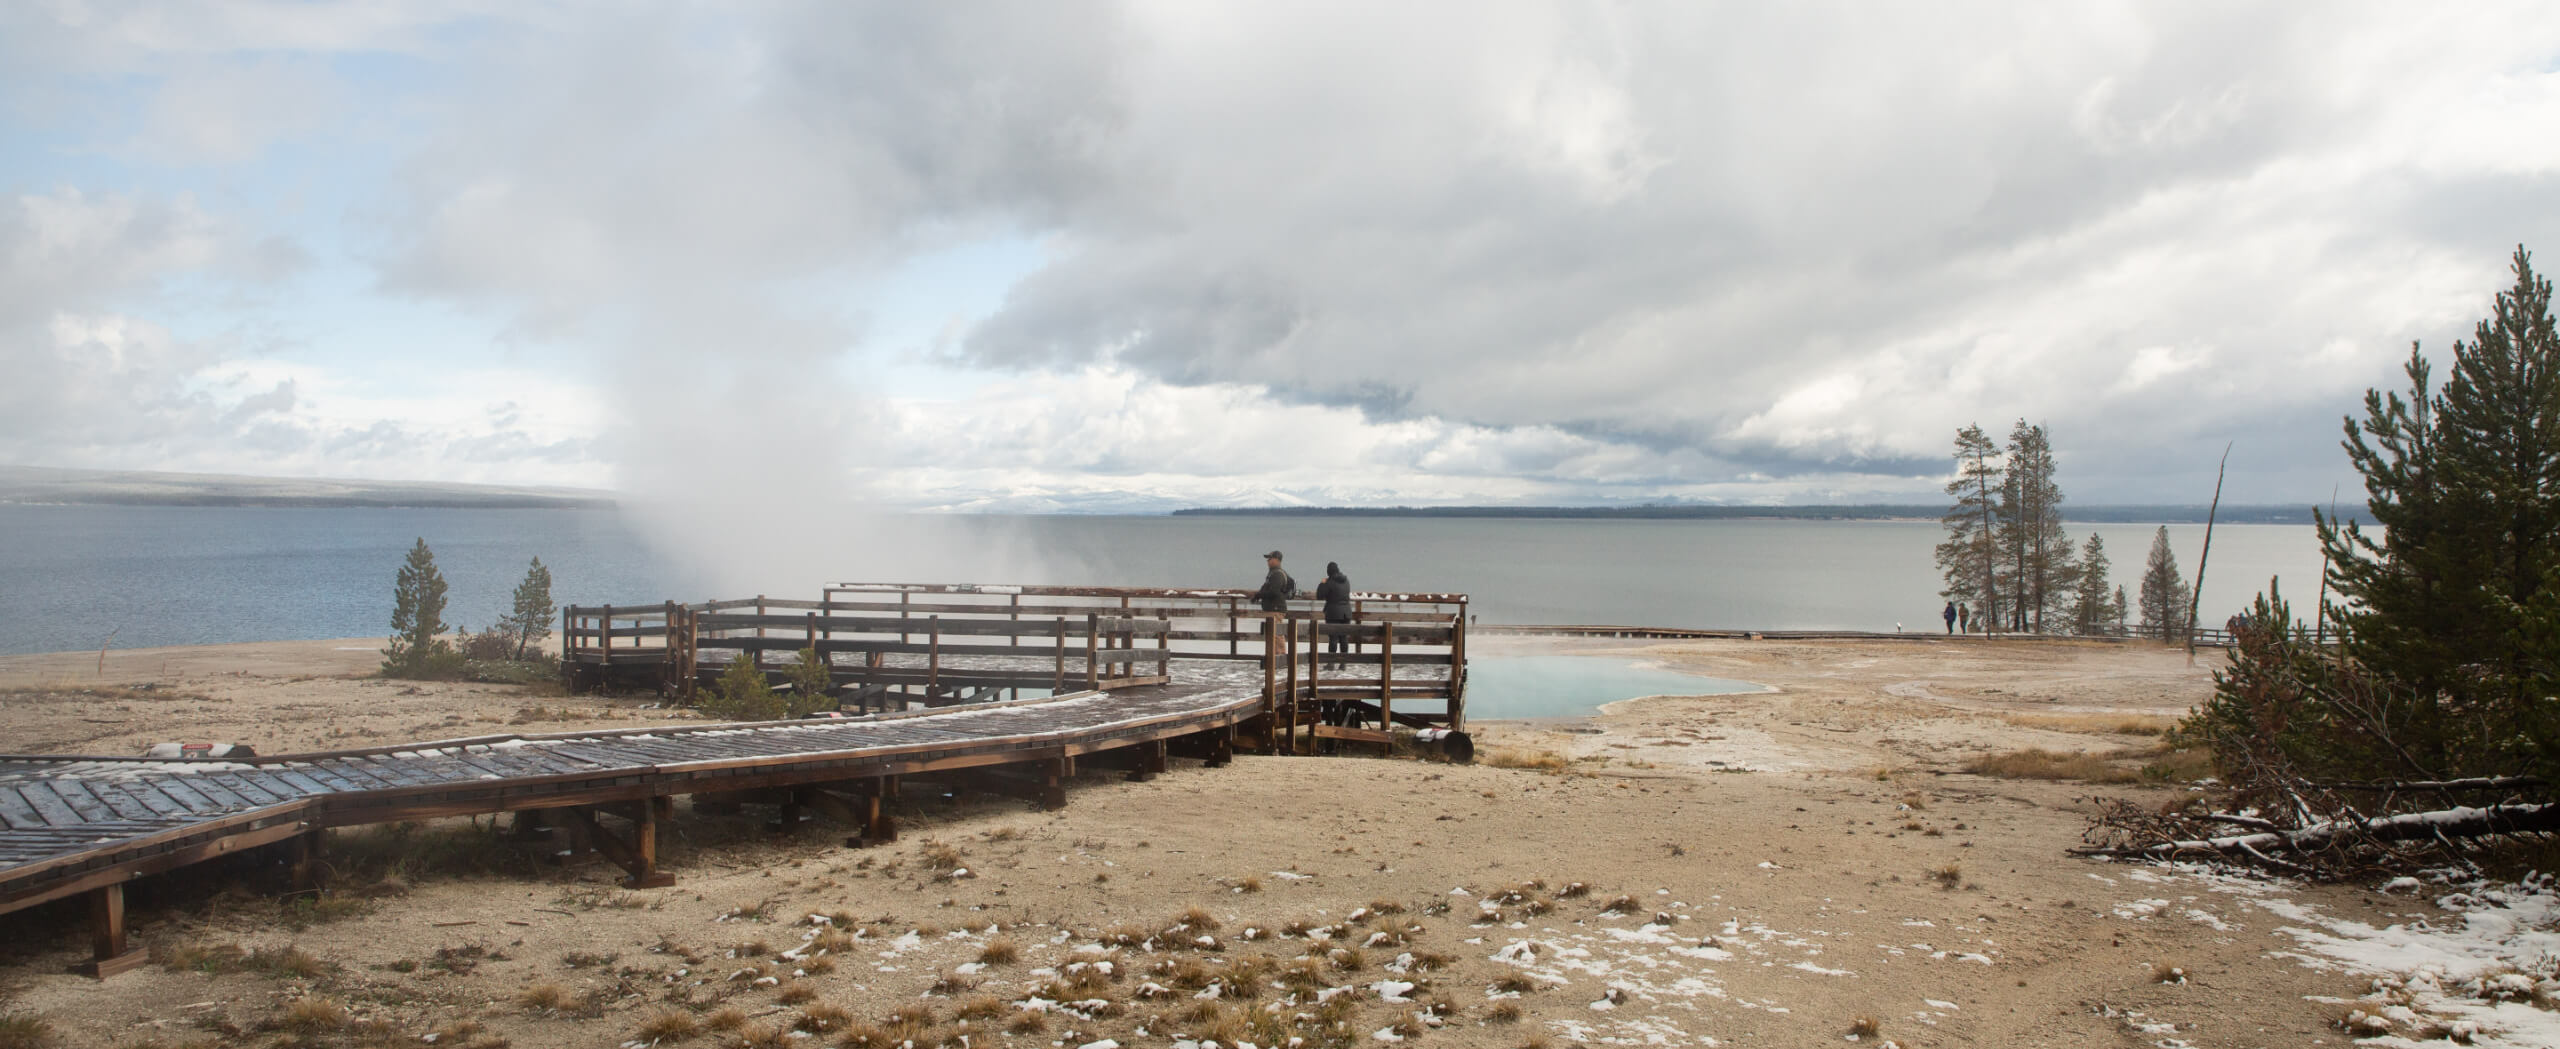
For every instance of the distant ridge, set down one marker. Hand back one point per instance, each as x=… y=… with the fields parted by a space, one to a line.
x=2126 y=514
x=41 y=485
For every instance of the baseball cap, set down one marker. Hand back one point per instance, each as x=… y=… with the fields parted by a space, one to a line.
x=1274 y=555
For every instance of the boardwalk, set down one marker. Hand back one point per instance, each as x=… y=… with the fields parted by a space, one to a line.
x=71 y=825
x=1128 y=677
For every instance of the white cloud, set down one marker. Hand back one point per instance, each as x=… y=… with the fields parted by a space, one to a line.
x=1411 y=252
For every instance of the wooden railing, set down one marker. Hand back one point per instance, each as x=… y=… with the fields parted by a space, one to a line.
x=1405 y=663
x=929 y=657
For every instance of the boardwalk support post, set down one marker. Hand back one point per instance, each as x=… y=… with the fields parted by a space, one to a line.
x=638 y=856
x=108 y=950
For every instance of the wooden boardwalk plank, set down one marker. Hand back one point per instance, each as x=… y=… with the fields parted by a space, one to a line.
x=49 y=805
x=178 y=789
x=16 y=813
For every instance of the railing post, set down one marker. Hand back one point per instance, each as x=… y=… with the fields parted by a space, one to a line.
x=1386 y=675
x=1060 y=685
x=667 y=648
x=604 y=628
x=933 y=656
x=1270 y=699
x=1458 y=669
x=759 y=631
x=1290 y=645
x=1092 y=645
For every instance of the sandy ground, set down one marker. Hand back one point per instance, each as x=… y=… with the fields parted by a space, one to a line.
x=1790 y=863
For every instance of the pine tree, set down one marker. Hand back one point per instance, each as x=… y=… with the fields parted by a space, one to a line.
x=2090 y=606
x=743 y=694
x=530 y=621
x=2116 y=610
x=2449 y=603
x=2040 y=566
x=417 y=618
x=2164 y=592
x=1969 y=558
x=812 y=683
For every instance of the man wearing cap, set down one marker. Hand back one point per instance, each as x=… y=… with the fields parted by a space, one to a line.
x=1277 y=587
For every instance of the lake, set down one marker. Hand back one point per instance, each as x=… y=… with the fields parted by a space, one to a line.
x=72 y=575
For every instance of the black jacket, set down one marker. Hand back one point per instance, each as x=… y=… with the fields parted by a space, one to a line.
x=1335 y=592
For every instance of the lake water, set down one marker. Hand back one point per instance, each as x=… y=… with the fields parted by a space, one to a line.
x=1575 y=686
x=70 y=575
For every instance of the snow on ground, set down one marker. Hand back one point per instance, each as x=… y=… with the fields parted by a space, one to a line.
x=1648 y=984
x=2487 y=972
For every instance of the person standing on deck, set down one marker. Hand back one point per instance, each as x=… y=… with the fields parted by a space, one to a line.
x=1277 y=587
x=1950 y=616
x=1335 y=592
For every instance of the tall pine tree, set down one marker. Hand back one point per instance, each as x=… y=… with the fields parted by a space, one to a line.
x=1969 y=557
x=2164 y=592
x=2451 y=602
x=2041 y=572
x=2090 y=605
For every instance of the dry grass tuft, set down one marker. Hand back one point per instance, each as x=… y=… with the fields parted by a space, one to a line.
x=1865 y=1027
x=726 y=1018
x=312 y=1016
x=980 y=1007
x=1514 y=983
x=20 y=1030
x=545 y=997
x=1573 y=890
x=764 y=1037
x=671 y=1025
x=1521 y=758
x=2038 y=763
x=1248 y=884
x=859 y=1035
x=1503 y=1013
x=1619 y=905
x=2167 y=973
x=941 y=856
x=1198 y=919
x=999 y=951
x=822 y=1018
x=796 y=994
x=1027 y=1023
x=1949 y=876
x=2097 y=724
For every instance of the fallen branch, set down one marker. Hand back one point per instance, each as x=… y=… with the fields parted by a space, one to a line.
x=2441 y=824
x=2475 y=783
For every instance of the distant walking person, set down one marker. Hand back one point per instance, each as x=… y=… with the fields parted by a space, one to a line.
x=1964 y=619
x=1277 y=587
x=1335 y=592
x=1950 y=616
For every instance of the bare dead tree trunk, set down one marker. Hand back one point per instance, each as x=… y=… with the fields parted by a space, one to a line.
x=2210 y=513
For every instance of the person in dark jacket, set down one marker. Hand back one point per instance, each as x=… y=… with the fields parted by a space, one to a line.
x=1335 y=592
x=1277 y=587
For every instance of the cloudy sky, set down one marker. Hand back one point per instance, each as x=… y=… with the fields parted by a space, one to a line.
x=1097 y=255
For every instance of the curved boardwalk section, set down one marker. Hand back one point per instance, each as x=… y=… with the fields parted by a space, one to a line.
x=70 y=825
x=1123 y=676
